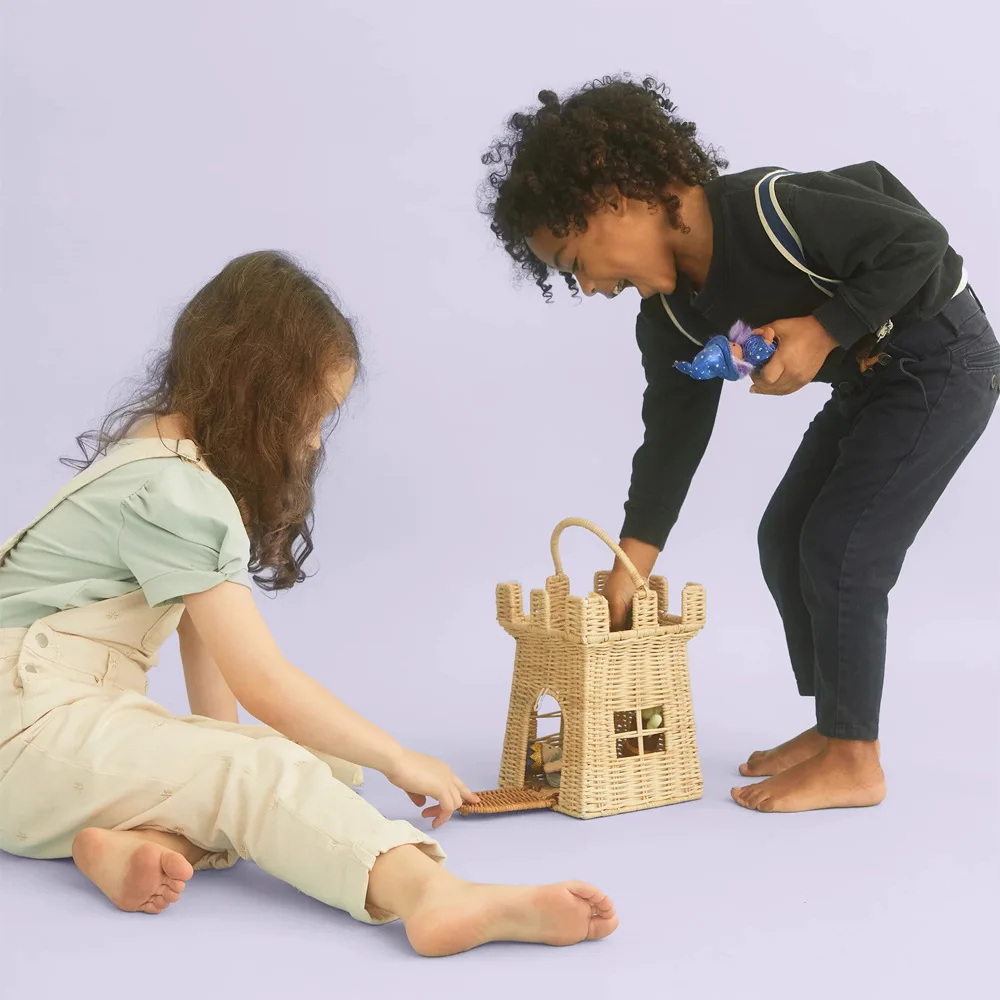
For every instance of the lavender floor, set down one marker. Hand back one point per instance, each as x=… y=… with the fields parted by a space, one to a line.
x=146 y=144
x=898 y=901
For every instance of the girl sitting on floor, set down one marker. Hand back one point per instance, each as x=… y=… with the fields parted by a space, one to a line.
x=206 y=478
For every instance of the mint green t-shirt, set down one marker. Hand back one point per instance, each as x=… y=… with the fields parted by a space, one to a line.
x=161 y=525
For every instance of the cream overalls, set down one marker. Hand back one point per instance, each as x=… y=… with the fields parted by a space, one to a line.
x=81 y=745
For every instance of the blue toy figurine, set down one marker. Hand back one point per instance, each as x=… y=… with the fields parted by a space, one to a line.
x=732 y=357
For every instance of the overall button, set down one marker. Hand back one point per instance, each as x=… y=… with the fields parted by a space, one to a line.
x=42 y=640
x=844 y=388
x=994 y=381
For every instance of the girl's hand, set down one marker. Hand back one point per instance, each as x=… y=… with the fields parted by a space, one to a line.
x=421 y=777
x=803 y=346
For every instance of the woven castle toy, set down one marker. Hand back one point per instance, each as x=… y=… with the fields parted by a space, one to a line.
x=626 y=736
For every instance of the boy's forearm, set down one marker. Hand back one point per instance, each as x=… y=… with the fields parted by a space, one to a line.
x=641 y=554
x=866 y=230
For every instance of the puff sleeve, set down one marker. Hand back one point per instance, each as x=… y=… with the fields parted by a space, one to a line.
x=181 y=533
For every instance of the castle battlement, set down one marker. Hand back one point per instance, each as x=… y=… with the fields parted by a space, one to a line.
x=554 y=610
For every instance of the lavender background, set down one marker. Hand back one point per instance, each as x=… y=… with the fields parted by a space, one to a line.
x=144 y=145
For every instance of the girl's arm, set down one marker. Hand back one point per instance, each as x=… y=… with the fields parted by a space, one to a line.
x=208 y=693
x=276 y=692
x=290 y=701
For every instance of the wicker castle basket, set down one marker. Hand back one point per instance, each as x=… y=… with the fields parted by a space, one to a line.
x=624 y=734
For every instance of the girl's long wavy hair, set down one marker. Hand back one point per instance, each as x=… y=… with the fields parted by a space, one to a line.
x=248 y=367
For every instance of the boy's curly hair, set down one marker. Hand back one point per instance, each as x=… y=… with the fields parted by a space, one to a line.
x=554 y=166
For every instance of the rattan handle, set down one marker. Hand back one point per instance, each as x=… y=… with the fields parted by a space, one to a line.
x=578 y=522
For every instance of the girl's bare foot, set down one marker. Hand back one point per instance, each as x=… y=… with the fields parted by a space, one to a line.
x=444 y=915
x=844 y=774
x=763 y=763
x=138 y=870
x=457 y=916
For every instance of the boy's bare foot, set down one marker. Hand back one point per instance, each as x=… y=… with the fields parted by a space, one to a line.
x=844 y=774
x=763 y=763
x=136 y=871
x=454 y=916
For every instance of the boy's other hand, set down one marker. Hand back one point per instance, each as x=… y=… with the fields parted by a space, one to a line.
x=803 y=346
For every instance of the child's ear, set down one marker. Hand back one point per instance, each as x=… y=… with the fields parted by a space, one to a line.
x=615 y=202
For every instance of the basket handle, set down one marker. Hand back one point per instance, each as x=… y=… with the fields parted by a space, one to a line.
x=578 y=522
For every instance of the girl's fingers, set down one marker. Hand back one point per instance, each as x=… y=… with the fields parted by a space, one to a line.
x=417 y=800
x=467 y=796
x=439 y=814
x=449 y=801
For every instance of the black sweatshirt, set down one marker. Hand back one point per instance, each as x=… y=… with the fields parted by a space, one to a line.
x=857 y=224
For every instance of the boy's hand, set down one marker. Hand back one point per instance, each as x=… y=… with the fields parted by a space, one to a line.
x=421 y=776
x=803 y=346
x=619 y=588
x=619 y=591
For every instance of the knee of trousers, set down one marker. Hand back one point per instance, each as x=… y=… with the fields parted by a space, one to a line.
x=281 y=806
x=241 y=802
x=778 y=546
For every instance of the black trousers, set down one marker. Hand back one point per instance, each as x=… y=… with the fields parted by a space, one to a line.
x=869 y=470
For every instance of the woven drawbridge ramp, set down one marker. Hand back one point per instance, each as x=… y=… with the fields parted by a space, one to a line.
x=508 y=800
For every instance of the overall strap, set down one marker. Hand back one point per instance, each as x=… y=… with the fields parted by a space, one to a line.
x=128 y=451
x=781 y=232
x=673 y=319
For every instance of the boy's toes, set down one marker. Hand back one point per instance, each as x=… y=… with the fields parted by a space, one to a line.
x=755 y=795
x=749 y=795
x=737 y=794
